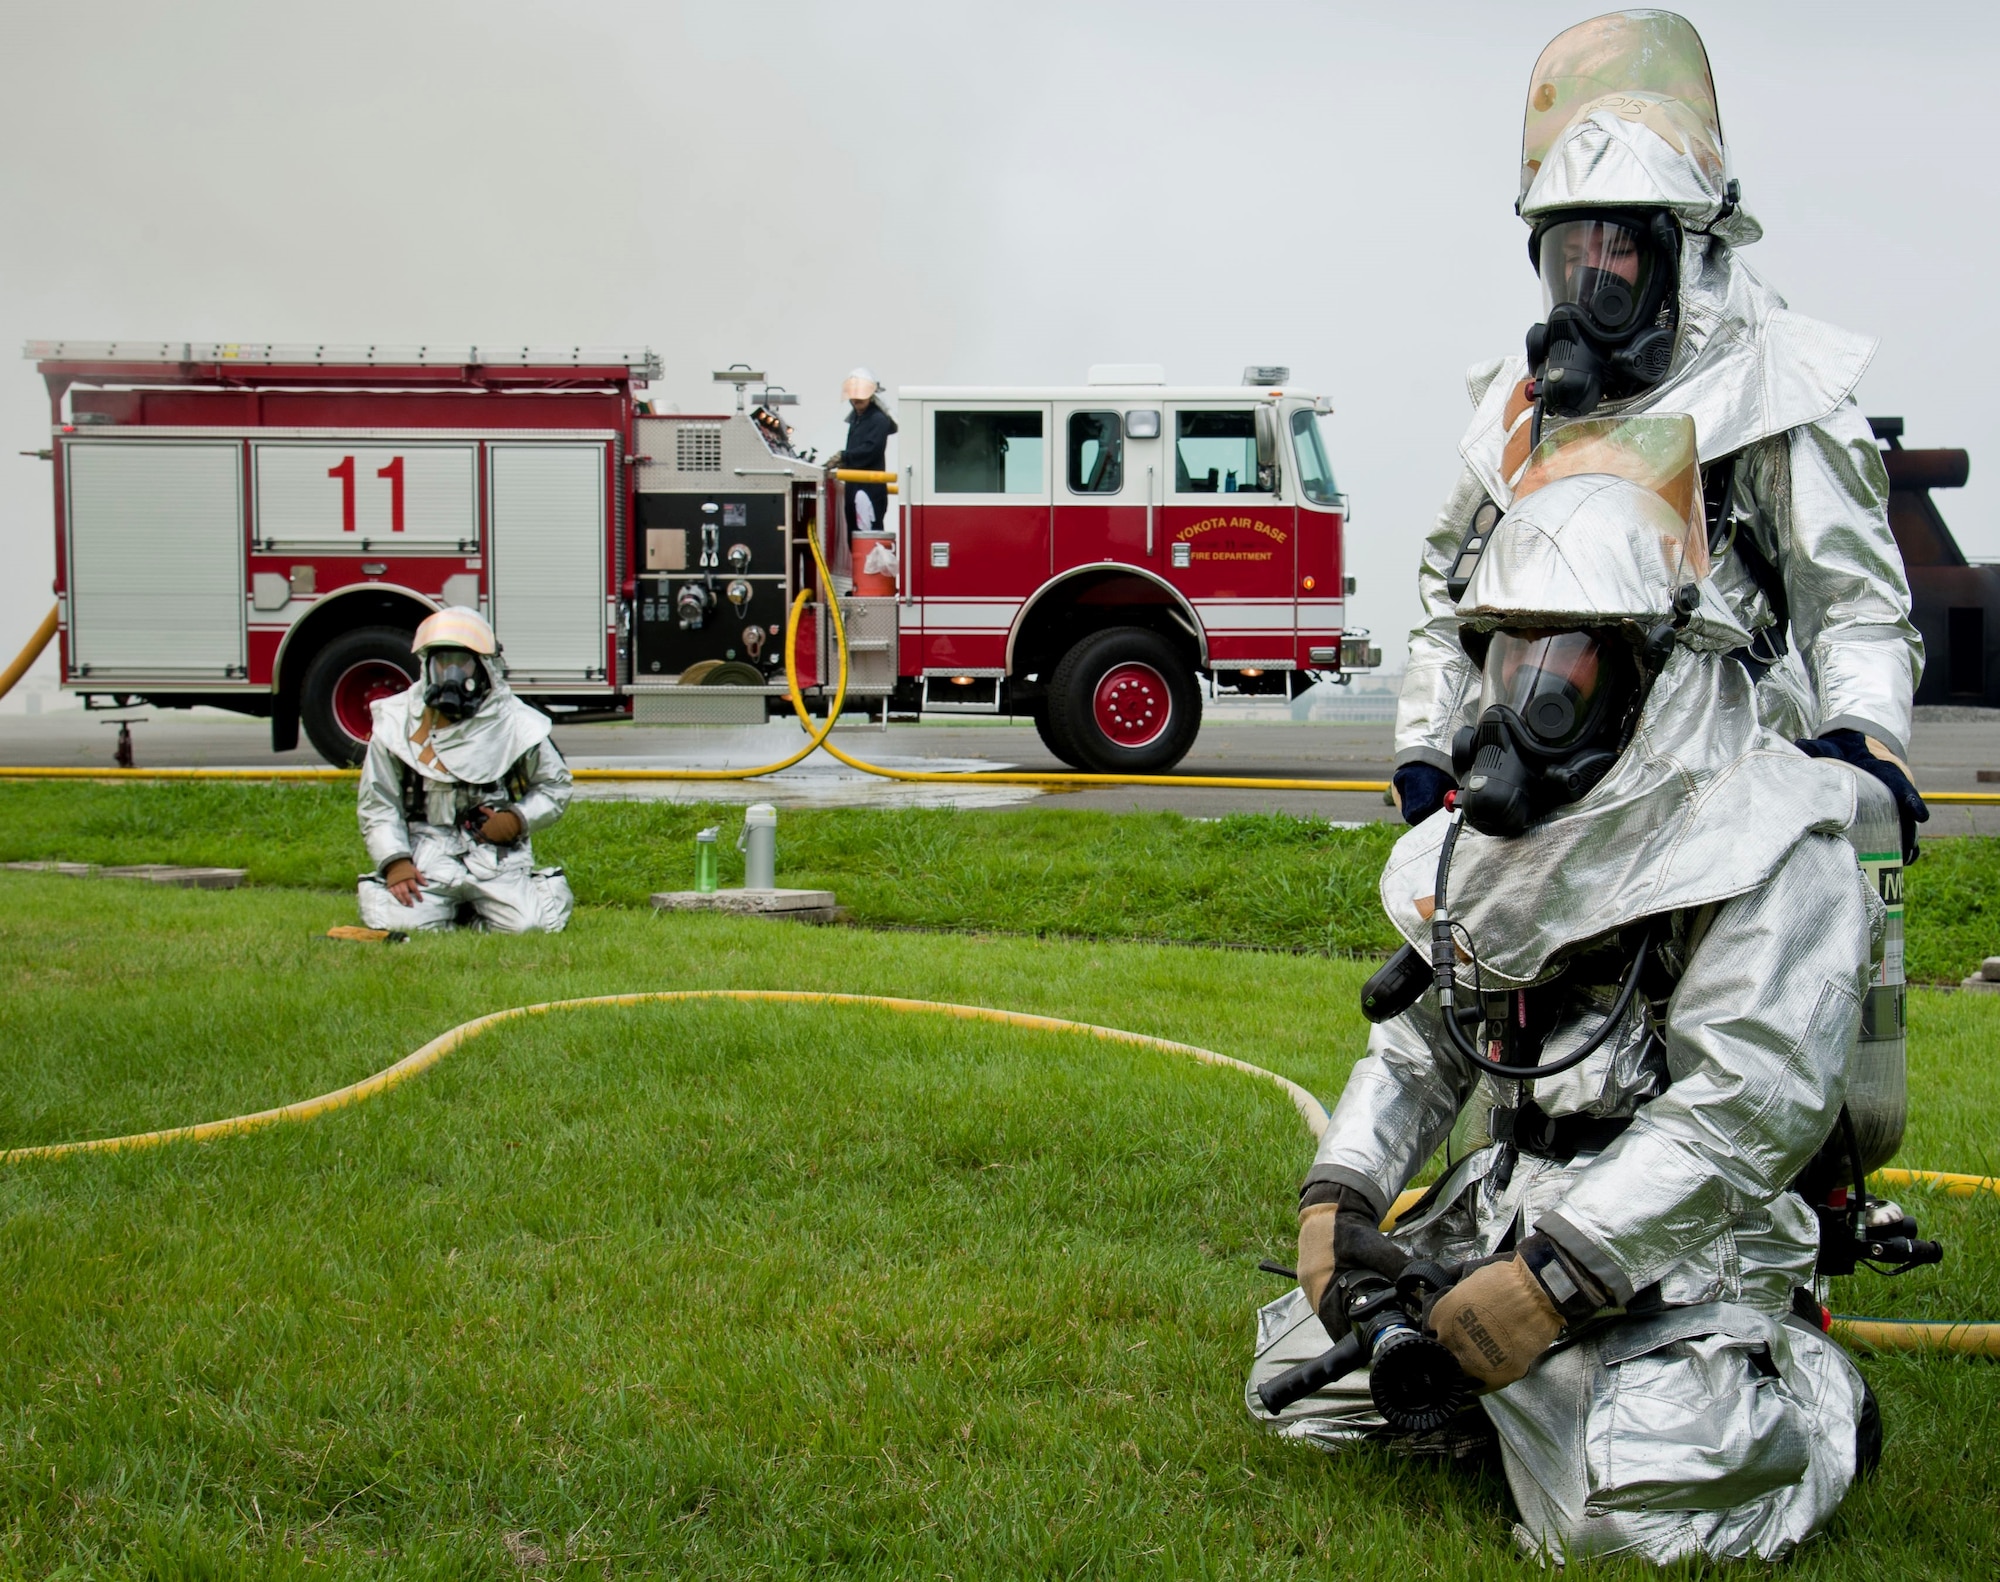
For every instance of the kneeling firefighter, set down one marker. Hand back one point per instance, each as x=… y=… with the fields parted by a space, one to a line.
x=1639 y=947
x=459 y=774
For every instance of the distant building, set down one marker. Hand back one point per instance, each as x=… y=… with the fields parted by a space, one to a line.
x=1956 y=603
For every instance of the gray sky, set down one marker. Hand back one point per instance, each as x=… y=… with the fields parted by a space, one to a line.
x=952 y=194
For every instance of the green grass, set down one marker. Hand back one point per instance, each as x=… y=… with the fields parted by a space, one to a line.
x=728 y=1291
x=1274 y=881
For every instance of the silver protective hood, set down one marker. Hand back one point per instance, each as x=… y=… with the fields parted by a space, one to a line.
x=1640 y=151
x=475 y=751
x=1703 y=803
x=1594 y=550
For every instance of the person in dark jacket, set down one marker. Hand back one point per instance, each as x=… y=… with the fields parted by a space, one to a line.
x=867 y=450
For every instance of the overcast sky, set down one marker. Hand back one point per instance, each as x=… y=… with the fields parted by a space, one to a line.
x=951 y=194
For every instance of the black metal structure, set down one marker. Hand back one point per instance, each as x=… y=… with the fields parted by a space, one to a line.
x=1956 y=605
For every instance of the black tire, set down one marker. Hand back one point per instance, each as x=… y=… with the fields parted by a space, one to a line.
x=342 y=677
x=1126 y=702
x=1046 y=729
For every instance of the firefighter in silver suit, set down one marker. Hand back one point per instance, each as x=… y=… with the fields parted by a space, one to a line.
x=460 y=773
x=1630 y=1244
x=1635 y=229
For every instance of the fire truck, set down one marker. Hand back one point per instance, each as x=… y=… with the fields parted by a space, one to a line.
x=261 y=527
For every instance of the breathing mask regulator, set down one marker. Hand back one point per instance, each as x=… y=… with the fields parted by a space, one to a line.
x=455 y=683
x=1609 y=281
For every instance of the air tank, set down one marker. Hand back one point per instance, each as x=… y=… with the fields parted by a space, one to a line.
x=1877 y=1083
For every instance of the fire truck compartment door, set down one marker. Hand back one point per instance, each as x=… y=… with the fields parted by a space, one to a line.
x=385 y=496
x=155 y=555
x=546 y=561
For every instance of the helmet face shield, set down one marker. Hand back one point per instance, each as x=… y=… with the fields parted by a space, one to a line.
x=1608 y=270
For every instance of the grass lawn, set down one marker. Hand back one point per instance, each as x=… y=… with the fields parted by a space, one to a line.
x=1274 y=881
x=724 y=1291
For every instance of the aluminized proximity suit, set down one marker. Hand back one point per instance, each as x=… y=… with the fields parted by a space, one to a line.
x=412 y=801
x=1694 y=1418
x=1766 y=386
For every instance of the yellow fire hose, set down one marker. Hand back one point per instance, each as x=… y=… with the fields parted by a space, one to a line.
x=28 y=655
x=1975 y=1339
x=819 y=737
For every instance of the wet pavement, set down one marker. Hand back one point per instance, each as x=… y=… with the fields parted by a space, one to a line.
x=1950 y=748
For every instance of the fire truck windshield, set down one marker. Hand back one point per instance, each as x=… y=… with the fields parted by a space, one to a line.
x=1315 y=476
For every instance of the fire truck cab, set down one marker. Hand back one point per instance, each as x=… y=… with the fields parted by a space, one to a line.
x=1083 y=554
x=261 y=528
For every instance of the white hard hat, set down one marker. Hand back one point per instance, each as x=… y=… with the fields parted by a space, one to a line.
x=456 y=628
x=861 y=385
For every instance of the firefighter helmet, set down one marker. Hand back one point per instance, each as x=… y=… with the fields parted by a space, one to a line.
x=456 y=628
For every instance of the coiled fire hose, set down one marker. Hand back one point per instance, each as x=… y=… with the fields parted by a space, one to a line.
x=1973 y=1339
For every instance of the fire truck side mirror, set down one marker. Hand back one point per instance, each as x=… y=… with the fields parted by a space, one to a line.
x=1267 y=449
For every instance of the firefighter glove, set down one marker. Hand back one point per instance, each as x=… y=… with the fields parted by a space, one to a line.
x=1496 y=1322
x=1878 y=759
x=1420 y=789
x=403 y=880
x=502 y=828
x=1316 y=1252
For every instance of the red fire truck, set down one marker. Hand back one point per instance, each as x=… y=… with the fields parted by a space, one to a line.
x=261 y=527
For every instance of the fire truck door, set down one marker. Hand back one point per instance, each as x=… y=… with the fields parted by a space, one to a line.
x=547 y=548
x=982 y=534
x=1101 y=499
x=1231 y=543
x=157 y=588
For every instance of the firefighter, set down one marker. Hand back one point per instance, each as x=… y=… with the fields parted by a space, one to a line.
x=867 y=450
x=459 y=775
x=1635 y=230
x=1629 y=1254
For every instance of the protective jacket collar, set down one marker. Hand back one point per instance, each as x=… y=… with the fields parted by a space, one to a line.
x=1703 y=804
x=475 y=751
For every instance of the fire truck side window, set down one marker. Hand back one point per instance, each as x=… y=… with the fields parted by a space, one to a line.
x=989 y=453
x=1096 y=453
x=1215 y=452
x=1315 y=476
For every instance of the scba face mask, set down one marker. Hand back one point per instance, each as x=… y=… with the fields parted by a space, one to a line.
x=1554 y=709
x=455 y=682
x=1608 y=294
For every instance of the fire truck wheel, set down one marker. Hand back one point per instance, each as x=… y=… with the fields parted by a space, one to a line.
x=1125 y=702
x=346 y=676
x=1045 y=727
